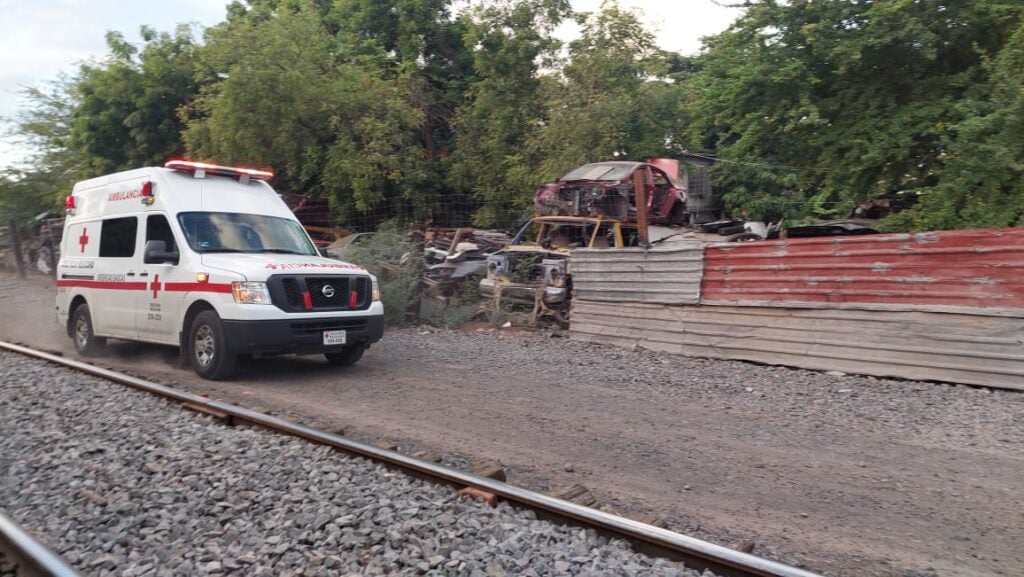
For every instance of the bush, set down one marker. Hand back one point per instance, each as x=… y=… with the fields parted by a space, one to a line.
x=396 y=263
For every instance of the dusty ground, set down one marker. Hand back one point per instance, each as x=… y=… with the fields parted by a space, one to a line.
x=844 y=475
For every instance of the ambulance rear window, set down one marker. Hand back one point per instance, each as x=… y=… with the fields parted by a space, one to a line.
x=117 y=237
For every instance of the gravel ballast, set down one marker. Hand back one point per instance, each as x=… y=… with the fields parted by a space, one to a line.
x=840 y=474
x=122 y=483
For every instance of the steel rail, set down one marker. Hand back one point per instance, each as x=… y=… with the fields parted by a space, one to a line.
x=651 y=540
x=32 y=557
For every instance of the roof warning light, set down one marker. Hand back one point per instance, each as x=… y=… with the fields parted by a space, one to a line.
x=201 y=169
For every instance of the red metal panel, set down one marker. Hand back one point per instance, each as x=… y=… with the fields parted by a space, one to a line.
x=968 y=268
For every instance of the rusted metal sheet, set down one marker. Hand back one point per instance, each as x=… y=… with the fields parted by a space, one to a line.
x=667 y=274
x=970 y=268
x=960 y=348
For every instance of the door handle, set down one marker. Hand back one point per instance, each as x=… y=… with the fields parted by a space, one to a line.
x=143 y=274
x=130 y=274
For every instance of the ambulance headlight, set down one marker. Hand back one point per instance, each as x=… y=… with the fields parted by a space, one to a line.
x=374 y=289
x=252 y=293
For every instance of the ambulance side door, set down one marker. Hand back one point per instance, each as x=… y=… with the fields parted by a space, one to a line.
x=112 y=303
x=157 y=308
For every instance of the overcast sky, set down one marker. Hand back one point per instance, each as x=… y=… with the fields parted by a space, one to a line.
x=39 y=39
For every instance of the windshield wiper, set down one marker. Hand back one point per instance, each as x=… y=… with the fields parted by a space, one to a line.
x=284 y=251
x=210 y=250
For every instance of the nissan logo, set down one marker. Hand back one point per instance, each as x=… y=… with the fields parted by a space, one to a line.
x=328 y=291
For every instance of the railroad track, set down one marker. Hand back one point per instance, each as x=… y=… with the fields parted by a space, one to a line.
x=647 y=539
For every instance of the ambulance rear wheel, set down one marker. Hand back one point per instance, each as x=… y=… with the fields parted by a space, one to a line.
x=347 y=357
x=86 y=343
x=207 y=348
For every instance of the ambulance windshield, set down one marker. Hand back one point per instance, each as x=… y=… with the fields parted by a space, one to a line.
x=209 y=232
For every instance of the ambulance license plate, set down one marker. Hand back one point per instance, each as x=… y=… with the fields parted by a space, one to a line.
x=334 y=337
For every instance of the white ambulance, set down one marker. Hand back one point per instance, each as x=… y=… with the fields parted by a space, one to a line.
x=210 y=259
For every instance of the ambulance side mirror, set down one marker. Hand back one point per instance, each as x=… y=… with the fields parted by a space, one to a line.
x=156 y=253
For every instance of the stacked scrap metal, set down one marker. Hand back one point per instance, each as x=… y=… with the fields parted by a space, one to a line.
x=451 y=256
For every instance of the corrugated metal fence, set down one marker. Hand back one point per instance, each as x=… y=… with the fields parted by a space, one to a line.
x=969 y=268
x=941 y=306
x=668 y=274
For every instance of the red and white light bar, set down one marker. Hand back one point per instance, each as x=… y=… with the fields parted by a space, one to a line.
x=202 y=169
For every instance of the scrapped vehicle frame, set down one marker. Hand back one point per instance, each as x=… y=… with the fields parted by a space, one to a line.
x=535 y=271
x=609 y=190
x=454 y=255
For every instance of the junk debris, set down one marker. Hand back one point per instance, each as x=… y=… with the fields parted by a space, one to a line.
x=309 y=210
x=342 y=248
x=533 y=269
x=38 y=243
x=745 y=231
x=606 y=189
x=451 y=257
x=326 y=236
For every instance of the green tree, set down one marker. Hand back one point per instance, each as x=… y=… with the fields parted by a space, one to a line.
x=613 y=99
x=125 y=112
x=44 y=128
x=510 y=41
x=282 y=96
x=983 y=181
x=423 y=42
x=815 y=106
x=25 y=194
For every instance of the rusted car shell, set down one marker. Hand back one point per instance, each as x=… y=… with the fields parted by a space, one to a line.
x=606 y=189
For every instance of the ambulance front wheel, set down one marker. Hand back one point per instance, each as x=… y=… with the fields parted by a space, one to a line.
x=207 y=348
x=86 y=343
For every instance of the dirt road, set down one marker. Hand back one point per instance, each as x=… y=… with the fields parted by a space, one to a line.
x=844 y=475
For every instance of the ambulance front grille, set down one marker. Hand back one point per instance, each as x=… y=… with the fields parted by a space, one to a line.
x=324 y=293
x=292 y=293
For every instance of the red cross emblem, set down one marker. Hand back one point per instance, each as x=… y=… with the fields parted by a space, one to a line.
x=155 y=285
x=84 y=239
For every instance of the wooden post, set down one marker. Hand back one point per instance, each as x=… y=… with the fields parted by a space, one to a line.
x=640 y=197
x=455 y=240
x=12 y=226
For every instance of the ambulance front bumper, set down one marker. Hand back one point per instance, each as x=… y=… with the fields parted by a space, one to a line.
x=300 y=336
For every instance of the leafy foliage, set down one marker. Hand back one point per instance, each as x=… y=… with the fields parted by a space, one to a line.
x=611 y=100
x=983 y=180
x=411 y=110
x=504 y=108
x=124 y=116
x=45 y=125
x=399 y=278
x=816 y=106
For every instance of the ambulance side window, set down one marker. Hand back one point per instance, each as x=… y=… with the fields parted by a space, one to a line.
x=117 y=237
x=157 y=228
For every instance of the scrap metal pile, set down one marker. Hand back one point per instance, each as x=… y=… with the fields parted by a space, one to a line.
x=38 y=245
x=453 y=257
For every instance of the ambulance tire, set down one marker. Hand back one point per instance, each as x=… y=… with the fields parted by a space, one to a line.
x=347 y=357
x=86 y=343
x=207 y=348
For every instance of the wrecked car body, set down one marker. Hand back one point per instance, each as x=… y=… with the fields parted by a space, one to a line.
x=608 y=190
x=534 y=268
